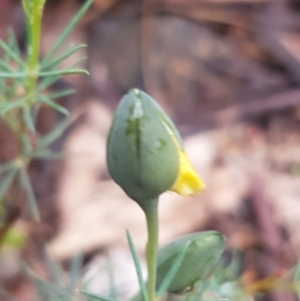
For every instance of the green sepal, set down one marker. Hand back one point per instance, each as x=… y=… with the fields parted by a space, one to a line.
x=201 y=257
x=142 y=155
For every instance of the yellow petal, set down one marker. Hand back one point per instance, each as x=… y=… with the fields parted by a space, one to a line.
x=187 y=182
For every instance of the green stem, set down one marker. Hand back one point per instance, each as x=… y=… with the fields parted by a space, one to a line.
x=34 y=23
x=150 y=209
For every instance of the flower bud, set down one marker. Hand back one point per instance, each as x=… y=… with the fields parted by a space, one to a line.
x=144 y=151
x=202 y=256
x=141 y=154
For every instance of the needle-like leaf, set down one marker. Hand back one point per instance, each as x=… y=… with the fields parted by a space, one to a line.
x=26 y=7
x=112 y=285
x=76 y=265
x=58 y=94
x=13 y=74
x=56 y=271
x=12 y=54
x=5 y=67
x=62 y=57
x=56 y=132
x=48 y=155
x=26 y=184
x=172 y=272
x=28 y=118
x=55 y=106
x=63 y=72
x=12 y=43
x=9 y=106
x=97 y=297
x=67 y=30
x=7 y=166
x=137 y=267
x=4 y=186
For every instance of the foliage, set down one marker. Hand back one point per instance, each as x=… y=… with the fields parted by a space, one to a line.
x=25 y=86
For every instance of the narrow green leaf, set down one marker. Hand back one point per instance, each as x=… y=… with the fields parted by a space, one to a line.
x=48 y=155
x=49 y=80
x=13 y=43
x=5 y=67
x=44 y=74
x=56 y=132
x=97 y=297
x=50 y=292
x=7 y=107
x=7 y=166
x=26 y=145
x=56 y=271
x=59 y=94
x=11 y=89
x=200 y=290
x=13 y=75
x=234 y=268
x=137 y=267
x=2 y=89
x=76 y=265
x=11 y=122
x=63 y=72
x=46 y=291
x=26 y=7
x=68 y=30
x=12 y=54
x=5 y=184
x=172 y=272
x=28 y=119
x=112 y=285
x=25 y=181
x=55 y=106
x=41 y=153
x=58 y=60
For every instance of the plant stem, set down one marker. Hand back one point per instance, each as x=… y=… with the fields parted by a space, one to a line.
x=150 y=209
x=34 y=23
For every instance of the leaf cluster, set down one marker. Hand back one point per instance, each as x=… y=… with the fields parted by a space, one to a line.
x=25 y=86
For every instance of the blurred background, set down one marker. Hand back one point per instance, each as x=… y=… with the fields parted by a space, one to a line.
x=228 y=74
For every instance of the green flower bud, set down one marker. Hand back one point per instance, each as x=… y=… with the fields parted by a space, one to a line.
x=142 y=156
x=201 y=258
